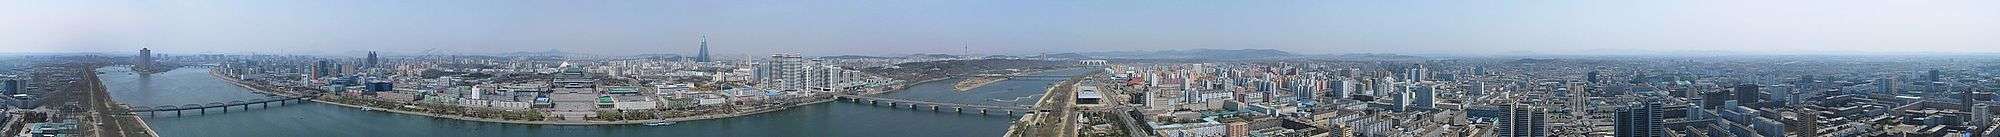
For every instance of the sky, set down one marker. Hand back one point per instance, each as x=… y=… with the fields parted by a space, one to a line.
x=888 y=27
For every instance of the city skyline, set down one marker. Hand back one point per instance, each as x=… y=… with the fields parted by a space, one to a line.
x=1037 y=68
x=1018 y=27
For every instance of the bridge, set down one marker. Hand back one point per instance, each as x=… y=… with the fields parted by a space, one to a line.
x=278 y=98
x=203 y=107
x=1011 y=75
x=939 y=106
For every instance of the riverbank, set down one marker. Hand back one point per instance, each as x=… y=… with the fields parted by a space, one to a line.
x=491 y=120
x=111 y=118
x=1051 y=123
x=628 y=122
x=905 y=86
x=975 y=82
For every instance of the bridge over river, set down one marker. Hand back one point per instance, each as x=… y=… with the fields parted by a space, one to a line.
x=939 y=106
x=202 y=108
x=1012 y=75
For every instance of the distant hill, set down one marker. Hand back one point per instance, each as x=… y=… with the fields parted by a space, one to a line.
x=549 y=53
x=659 y=56
x=1374 y=56
x=1194 y=54
x=855 y=57
x=1063 y=56
x=1001 y=57
x=933 y=56
x=918 y=71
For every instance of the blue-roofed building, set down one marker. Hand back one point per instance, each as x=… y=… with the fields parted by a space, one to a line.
x=1089 y=96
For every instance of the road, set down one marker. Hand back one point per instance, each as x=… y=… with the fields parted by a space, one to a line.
x=1061 y=120
x=106 y=116
x=1116 y=98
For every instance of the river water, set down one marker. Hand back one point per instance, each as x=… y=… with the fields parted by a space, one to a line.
x=838 y=119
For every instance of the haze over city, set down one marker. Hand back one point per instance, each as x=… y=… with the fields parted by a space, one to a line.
x=1002 y=27
x=1034 y=68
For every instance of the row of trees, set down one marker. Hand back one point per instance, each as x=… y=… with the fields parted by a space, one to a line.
x=442 y=109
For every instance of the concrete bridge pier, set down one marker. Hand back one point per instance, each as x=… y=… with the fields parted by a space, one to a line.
x=934 y=107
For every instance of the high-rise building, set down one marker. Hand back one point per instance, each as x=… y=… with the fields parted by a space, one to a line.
x=1302 y=91
x=1153 y=79
x=788 y=72
x=821 y=77
x=1342 y=88
x=1767 y=127
x=1239 y=129
x=1476 y=88
x=1425 y=96
x=1889 y=86
x=1383 y=87
x=1189 y=94
x=1417 y=74
x=760 y=73
x=10 y=86
x=347 y=69
x=1747 y=94
x=1590 y=77
x=372 y=61
x=1640 y=120
x=321 y=69
x=1714 y=99
x=1967 y=99
x=1522 y=120
x=1981 y=117
x=1934 y=75
x=475 y=93
x=144 y=62
x=702 y=56
x=1400 y=101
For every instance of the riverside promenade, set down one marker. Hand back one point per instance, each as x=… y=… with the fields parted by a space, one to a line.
x=626 y=122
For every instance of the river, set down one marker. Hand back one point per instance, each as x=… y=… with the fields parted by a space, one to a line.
x=836 y=119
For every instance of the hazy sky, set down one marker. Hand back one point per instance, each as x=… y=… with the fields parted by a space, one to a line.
x=954 y=26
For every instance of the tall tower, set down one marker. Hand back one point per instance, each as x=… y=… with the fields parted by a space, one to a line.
x=372 y=60
x=702 y=56
x=144 y=64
